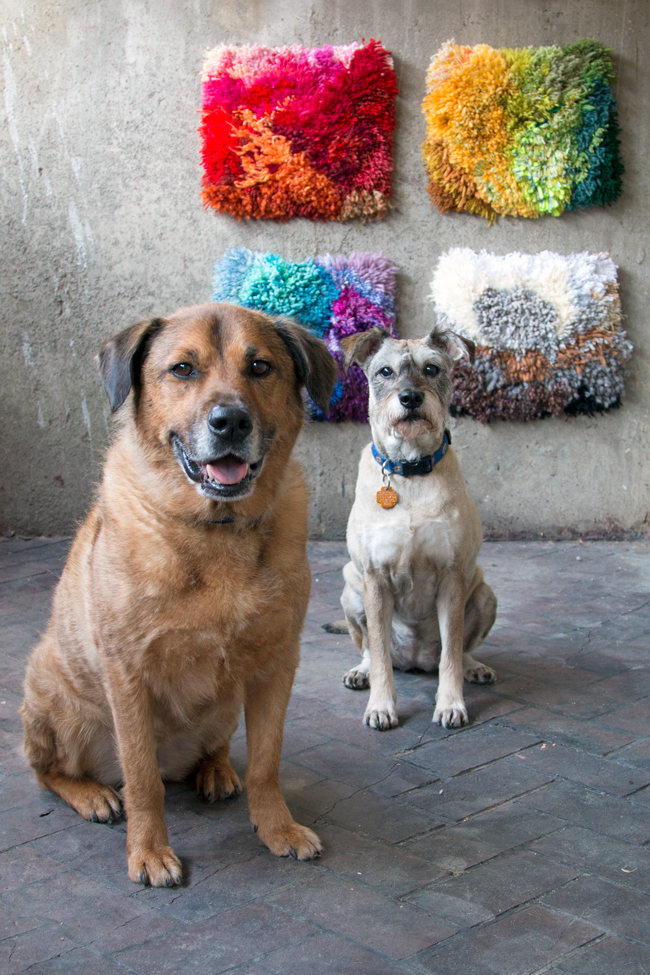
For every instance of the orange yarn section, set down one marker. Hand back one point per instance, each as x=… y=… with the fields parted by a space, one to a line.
x=450 y=188
x=260 y=151
x=533 y=366
x=294 y=183
x=575 y=356
x=530 y=367
x=281 y=177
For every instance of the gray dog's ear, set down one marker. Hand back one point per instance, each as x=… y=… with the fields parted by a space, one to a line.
x=361 y=346
x=121 y=358
x=454 y=345
x=316 y=369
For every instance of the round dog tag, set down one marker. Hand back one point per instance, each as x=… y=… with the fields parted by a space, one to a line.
x=387 y=497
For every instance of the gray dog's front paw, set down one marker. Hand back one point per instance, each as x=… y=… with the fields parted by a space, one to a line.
x=454 y=716
x=356 y=680
x=381 y=720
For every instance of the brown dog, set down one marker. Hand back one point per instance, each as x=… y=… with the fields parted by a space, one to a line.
x=185 y=590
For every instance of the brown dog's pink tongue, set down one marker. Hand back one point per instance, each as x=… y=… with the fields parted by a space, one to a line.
x=228 y=470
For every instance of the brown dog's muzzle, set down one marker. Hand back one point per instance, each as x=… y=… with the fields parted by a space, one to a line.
x=224 y=458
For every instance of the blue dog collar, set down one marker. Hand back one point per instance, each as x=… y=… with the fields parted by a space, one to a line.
x=423 y=466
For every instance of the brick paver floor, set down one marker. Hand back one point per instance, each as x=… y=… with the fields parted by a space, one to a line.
x=514 y=846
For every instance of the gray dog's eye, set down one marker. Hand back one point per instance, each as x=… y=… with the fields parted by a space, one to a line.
x=386 y=372
x=431 y=370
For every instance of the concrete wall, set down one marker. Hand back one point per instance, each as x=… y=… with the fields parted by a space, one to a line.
x=102 y=225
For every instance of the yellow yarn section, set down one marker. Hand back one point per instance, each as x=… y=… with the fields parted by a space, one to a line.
x=465 y=109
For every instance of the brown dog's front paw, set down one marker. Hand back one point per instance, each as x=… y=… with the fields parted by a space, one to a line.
x=291 y=840
x=382 y=719
x=356 y=680
x=214 y=781
x=159 y=867
x=94 y=801
x=454 y=716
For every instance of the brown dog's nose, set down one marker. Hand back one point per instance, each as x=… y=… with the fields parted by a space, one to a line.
x=411 y=399
x=232 y=423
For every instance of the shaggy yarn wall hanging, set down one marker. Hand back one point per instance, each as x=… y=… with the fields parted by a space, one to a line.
x=333 y=296
x=298 y=132
x=547 y=330
x=521 y=132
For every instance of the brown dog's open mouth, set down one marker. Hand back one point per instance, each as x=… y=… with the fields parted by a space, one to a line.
x=226 y=471
x=222 y=478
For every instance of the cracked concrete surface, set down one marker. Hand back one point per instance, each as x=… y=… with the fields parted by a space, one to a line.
x=517 y=845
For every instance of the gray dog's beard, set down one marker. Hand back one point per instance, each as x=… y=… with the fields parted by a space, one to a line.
x=411 y=429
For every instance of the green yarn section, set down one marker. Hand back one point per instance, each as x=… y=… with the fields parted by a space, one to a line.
x=289 y=288
x=598 y=177
x=564 y=150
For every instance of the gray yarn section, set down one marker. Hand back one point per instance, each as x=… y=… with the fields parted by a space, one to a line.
x=518 y=319
x=589 y=312
x=605 y=384
x=492 y=373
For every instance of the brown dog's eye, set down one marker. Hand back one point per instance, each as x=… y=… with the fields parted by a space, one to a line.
x=260 y=367
x=431 y=370
x=386 y=372
x=183 y=370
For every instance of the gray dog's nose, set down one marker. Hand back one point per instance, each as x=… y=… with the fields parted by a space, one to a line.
x=411 y=399
x=230 y=422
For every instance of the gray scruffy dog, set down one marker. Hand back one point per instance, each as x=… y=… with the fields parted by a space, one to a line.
x=414 y=596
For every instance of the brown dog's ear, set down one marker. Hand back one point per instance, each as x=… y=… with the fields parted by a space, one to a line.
x=121 y=358
x=361 y=346
x=315 y=368
x=454 y=345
